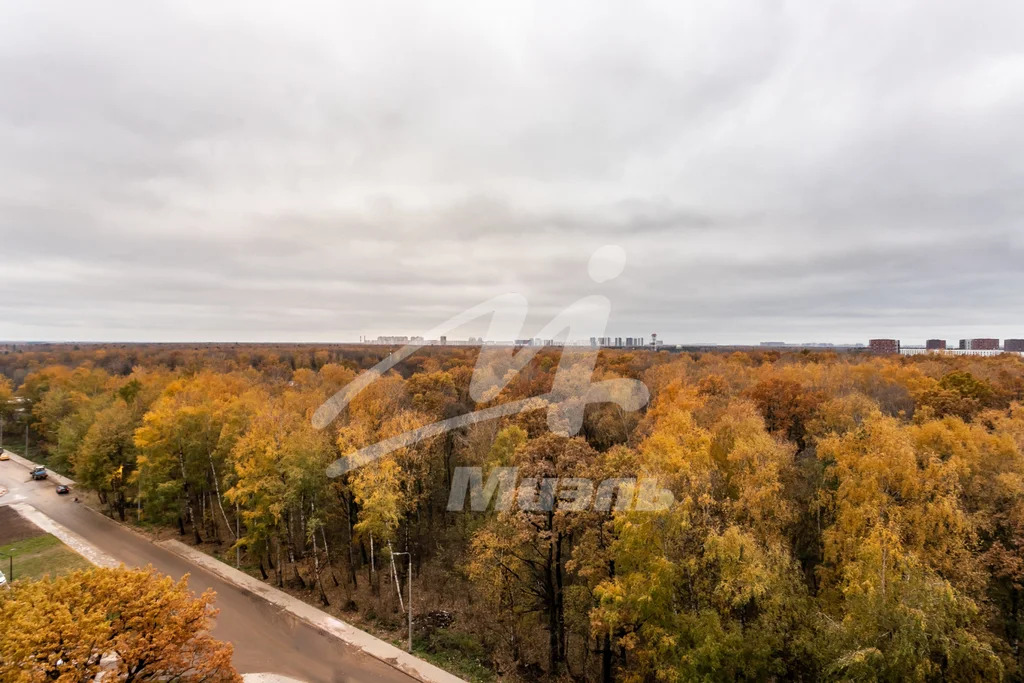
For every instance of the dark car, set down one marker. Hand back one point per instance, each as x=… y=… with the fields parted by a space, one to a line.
x=39 y=473
x=62 y=489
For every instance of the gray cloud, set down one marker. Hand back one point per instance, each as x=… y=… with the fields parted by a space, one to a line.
x=309 y=171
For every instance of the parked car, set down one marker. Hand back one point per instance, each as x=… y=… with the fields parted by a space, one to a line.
x=62 y=489
x=3 y=581
x=3 y=454
x=40 y=473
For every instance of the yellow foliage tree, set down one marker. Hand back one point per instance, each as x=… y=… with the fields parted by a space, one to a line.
x=147 y=626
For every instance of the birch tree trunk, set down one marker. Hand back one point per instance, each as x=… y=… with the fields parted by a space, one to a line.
x=188 y=496
x=220 y=504
x=394 y=572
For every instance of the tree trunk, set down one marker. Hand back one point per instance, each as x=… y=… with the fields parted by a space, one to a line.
x=394 y=572
x=316 y=562
x=606 y=659
x=327 y=554
x=280 y=567
x=302 y=528
x=351 y=549
x=606 y=650
x=551 y=599
x=560 y=598
x=216 y=488
x=291 y=553
x=187 y=490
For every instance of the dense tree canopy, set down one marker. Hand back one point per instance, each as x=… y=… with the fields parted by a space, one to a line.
x=832 y=517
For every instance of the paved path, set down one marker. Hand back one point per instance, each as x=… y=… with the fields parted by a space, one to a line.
x=266 y=638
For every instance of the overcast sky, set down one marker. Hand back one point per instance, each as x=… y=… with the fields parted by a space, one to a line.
x=793 y=171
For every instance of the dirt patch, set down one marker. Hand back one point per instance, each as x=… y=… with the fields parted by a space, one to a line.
x=14 y=527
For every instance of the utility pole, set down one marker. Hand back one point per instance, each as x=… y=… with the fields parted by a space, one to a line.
x=409 y=648
x=238 y=533
x=26 y=440
x=410 y=603
x=139 y=506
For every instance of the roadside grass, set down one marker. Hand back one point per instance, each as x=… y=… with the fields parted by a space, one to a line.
x=466 y=664
x=41 y=555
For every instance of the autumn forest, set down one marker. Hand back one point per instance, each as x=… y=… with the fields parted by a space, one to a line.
x=834 y=516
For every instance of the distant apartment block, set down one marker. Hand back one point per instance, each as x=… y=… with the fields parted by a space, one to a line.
x=935 y=344
x=618 y=342
x=980 y=344
x=1014 y=345
x=884 y=345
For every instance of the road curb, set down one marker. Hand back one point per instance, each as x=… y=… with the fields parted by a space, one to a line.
x=316 y=618
x=69 y=538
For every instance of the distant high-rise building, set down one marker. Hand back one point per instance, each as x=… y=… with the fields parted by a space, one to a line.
x=593 y=341
x=618 y=341
x=980 y=344
x=1014 y=345
x=884 y=345
x=444 y=340
x=935 y=345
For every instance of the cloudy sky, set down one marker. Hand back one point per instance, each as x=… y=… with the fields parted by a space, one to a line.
x=288 y=171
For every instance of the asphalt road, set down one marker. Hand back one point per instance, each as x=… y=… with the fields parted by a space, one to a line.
x=266 y=640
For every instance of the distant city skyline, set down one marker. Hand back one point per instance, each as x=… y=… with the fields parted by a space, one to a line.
x=1012 y=343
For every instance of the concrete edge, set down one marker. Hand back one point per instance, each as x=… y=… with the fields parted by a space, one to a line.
x=318 y=619
x=66 y=536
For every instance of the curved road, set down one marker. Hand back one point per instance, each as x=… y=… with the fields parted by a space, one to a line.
x=265 y=638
